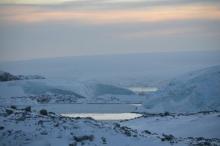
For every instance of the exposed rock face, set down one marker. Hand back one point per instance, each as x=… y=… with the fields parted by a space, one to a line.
x=5 y=76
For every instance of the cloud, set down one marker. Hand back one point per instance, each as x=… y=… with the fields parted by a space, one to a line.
x=107 y=3
x=155 y=14
x=32 y=1
x=85 y=27
x=170 y=32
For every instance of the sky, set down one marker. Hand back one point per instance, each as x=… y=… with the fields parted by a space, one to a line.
x=31 y=29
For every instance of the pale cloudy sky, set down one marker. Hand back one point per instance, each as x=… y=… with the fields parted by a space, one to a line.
x=55 y=28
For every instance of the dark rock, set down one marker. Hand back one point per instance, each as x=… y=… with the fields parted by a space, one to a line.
x=28 y=109
x=84 y=138
x=146 y=131
x=166 y=114
x=43 y=112
x=126 y=131
x=169 y=138
x=44 y=133
x=56 y=125
x=9 y=112
x=1 y=127
x=116 y=125
x=13 y=107
x=4 y=76
x=200 y=138
x=104 y=140
x=9 y=132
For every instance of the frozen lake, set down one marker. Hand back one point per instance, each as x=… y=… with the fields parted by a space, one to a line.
x=143 y=89
x=105 y=116
x=95 y=111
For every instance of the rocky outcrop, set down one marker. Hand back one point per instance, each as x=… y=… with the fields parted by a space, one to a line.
x=5 y=76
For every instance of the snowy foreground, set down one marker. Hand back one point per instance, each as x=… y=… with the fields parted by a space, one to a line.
x=35 y=111
x=24 y=127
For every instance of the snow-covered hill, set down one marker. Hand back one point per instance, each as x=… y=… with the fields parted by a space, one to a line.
x=125 y=70
x=64 y=91
x=196 y=91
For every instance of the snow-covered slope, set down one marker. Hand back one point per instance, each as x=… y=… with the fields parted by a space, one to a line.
x=196 y=91
x=59 y=87
x=195 y=125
